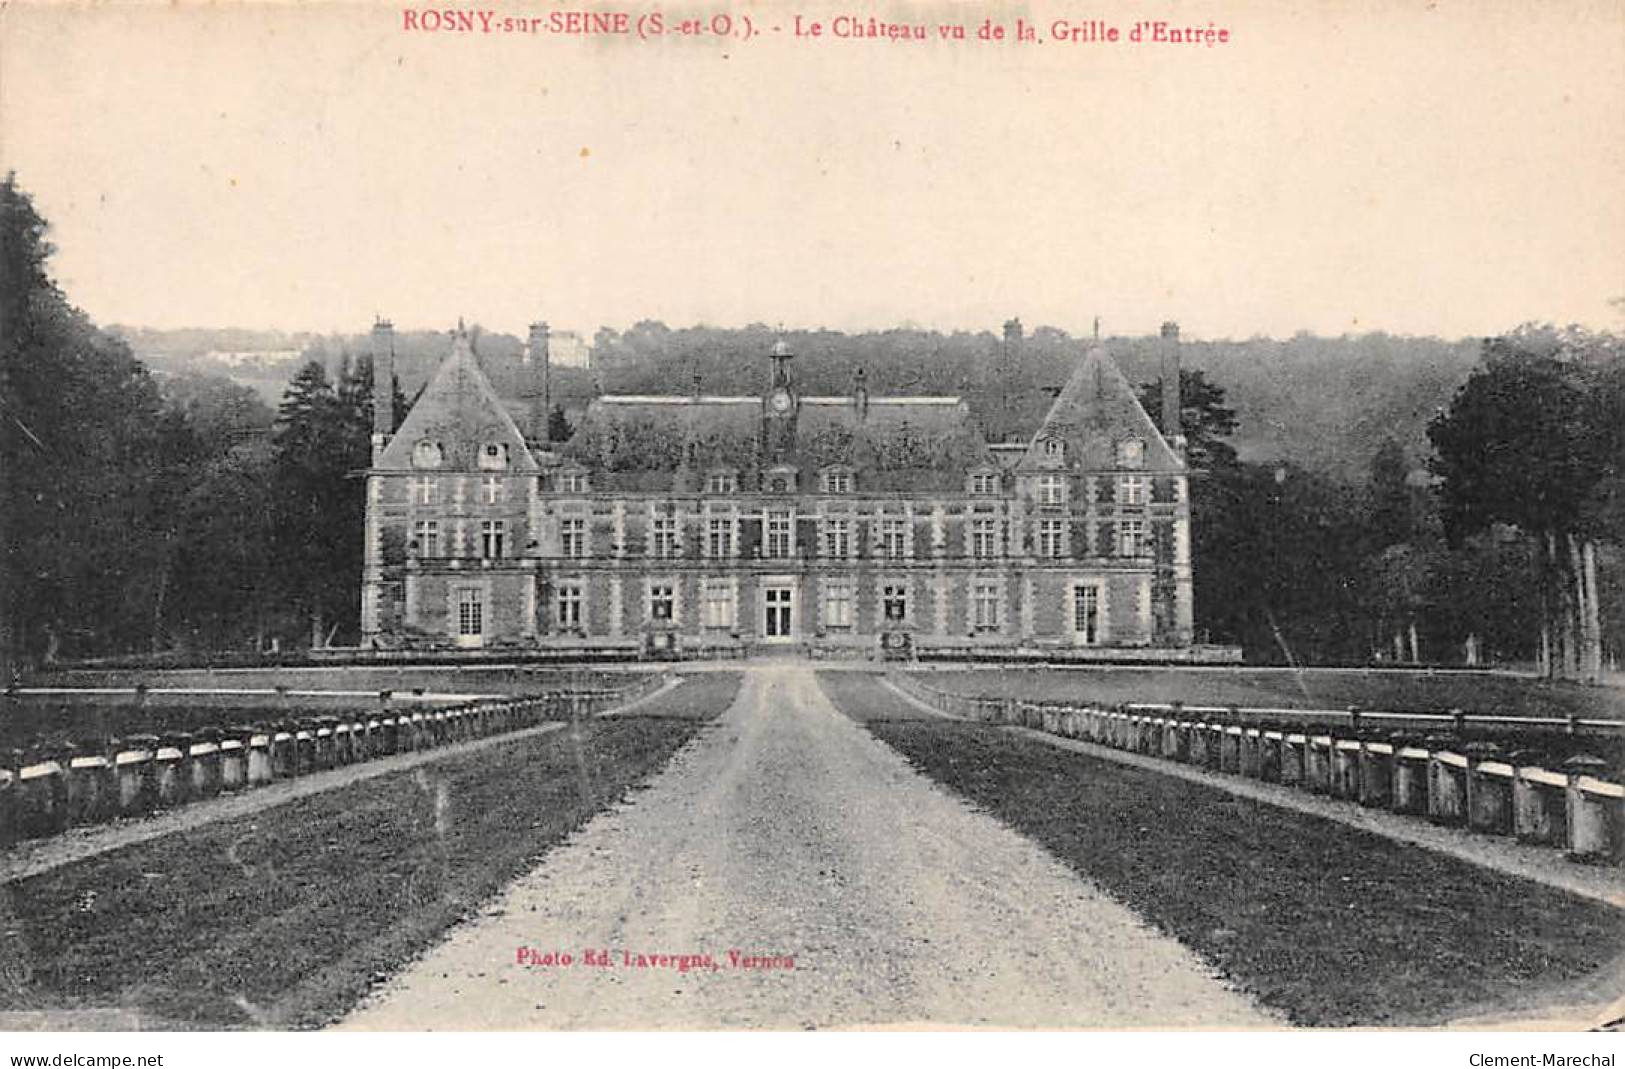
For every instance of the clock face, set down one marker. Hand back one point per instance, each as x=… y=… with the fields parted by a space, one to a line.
x=780 y=401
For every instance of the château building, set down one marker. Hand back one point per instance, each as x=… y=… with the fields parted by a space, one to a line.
x=697 y=522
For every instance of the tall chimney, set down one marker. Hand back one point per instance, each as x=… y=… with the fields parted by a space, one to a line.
x=541 y=385
x=860 y=394
x=1169 y=346
x=383 y=381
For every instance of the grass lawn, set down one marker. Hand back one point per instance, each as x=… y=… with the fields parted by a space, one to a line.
x=859 y=696
x=702 y=696
x=1331 y=925
x=284 y=919
x=1388 y=691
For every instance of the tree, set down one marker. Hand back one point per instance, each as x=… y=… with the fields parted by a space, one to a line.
x=81 y=451
x=558 y=426
x=1205 y=420
x=1526 y=443
x=322 y=438
x=1391 y=513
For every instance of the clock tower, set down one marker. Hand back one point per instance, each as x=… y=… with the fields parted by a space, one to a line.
x=779 y=407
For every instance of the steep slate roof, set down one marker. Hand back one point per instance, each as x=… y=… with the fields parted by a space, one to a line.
x=1094 y=411
x=459 y=409
x=639 y=442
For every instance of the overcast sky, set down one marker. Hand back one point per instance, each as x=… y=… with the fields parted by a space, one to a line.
x=1449 y=168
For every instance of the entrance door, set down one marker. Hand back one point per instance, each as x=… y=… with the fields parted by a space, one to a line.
x=1086 y=615
x=470 y=616
x=778 y=605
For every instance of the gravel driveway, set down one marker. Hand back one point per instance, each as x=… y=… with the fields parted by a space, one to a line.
x=790 y=836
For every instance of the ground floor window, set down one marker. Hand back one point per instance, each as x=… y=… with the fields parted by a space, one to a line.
x=894 y=603
x=838 y=604
x=1086 y=613
x=985 y=606
x=569 y=607
x=718 y=605
x=471 y=612
x=662 y=602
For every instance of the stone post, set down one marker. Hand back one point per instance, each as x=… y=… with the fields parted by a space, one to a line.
x=1489 y=793
x=11 y=775
x=1594 y=816
x=174 y=764
x=1269 y=755
x=1539 y=805
x=1252 y=755
x=1447 y=787
x=261 y=763
x=1376 y=774
x=284 y=760
x=234 y=759
x=206 y=777
x=1294 y=755
x=1410 y=782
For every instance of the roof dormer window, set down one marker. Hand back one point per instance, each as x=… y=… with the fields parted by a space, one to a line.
x=428 y=454
x=984 y=483
x=781 y=481
x=493 y=456
x=572 y=482
x=721 y=482
x=1130 y=453
x=1054 y=448
x=837 y=481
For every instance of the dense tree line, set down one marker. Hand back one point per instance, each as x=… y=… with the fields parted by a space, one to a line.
x=144 y=514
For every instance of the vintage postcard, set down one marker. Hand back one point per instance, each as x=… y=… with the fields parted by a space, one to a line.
x=769 y=516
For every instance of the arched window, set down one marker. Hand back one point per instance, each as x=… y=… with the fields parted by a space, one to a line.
x=427 y=454
x=1054 y=448
x=493 y=456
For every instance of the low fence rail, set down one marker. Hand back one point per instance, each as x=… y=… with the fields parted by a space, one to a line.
x=46 y=790
x=1578 y=807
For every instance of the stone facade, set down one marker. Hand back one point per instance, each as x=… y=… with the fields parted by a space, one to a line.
x=697 y=522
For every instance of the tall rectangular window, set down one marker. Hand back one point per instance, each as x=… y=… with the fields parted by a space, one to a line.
x=1086 y=613
x=1051 y=538
x=894 y=603
x=573 y=537
x=779 y=529
x=569 y=607
x=1051 y=490
x=423 y=491
x=1131 y=490
x=893 y=538
x=837 y=538
x=492 y=489
x=1131 y=538
x=491 y=535
x=470 y=611
x=717 y=607
x=984 y=538
x=838 y=603
x=663 y=537
x=427 y=533
x=662 y=602
x=985 y=606
x=719 y=538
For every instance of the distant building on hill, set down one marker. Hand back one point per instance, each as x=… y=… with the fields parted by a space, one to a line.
x=699 y=521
